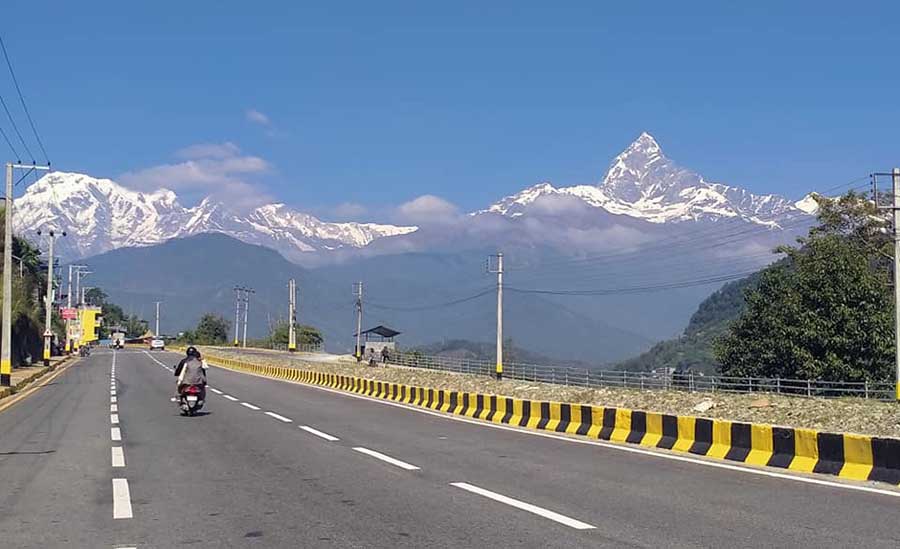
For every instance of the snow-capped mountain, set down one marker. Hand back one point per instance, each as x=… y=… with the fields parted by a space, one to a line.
x=101 y=215
x=643 y=183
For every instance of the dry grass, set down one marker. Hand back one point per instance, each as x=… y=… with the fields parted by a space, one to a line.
x=853 y=415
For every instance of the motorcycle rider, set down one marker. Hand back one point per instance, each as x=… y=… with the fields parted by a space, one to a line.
x=191 y=371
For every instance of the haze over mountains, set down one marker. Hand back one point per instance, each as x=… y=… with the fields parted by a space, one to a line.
x=647 y=222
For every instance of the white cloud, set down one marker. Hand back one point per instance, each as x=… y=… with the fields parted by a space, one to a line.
x=258 y=117
x=350 y=211
x=218 y=170
x=209 y=150
x=427 y=209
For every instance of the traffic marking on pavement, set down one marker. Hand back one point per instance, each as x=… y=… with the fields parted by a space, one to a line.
x=115 y=434
x=218 y=392
x=121 y=499
x=318 y=433
x=113 y=407
x=112 y=392
x=231 y=398
x=278 y=417
x=113 y=399
x=562 y=519
x=248 y=405
x=114 y=419
x=608 y=445
x=118 y=457
x=386 y=459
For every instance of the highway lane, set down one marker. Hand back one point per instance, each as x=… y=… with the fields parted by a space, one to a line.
x=247 y=474
x=631 y=498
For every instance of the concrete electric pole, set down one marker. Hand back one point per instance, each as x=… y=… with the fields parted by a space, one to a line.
x=358 y=290
x=292 y=315
x=895 y=178
x=237 y=313
x=6 y=337
x=247 y=292
x=499 y=271
x=156 y=332
x=48 y=300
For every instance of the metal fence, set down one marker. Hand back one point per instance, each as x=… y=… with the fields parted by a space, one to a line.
x=688 y=381
x=301 y=347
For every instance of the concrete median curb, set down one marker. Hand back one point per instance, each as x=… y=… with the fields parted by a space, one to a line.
x=849 y=456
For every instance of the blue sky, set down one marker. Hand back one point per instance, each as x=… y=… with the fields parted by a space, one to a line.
x=376 y=103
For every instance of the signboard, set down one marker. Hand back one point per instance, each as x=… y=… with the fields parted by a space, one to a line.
x=68 y=313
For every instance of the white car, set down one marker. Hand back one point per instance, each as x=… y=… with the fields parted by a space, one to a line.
x=157 y=345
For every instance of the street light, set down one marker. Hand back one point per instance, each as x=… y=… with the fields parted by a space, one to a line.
x=48 y=304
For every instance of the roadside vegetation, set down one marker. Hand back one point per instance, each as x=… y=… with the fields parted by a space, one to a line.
x=29 y=284
x=824 y=311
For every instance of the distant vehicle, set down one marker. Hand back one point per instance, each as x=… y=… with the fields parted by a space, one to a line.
x=118 y=340
x=157 y=344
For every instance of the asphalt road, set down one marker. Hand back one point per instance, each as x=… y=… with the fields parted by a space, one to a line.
x=262 y=469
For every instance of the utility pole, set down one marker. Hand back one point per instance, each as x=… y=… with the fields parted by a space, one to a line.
x=895 y=178
x=79 y=293
x=292 y=315
x=6 y=336
x=237 y=313
x=499 y=272
x=156 y=332
x=358 y=290
x=247 y=292
x=48 y=300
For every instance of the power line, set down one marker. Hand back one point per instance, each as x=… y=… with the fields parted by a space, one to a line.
x=16 y=128
x=24 y=106
x=11 y=148
x=637 y=289
x=434 y=305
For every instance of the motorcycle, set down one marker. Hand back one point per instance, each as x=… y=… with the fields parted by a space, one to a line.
x=192 y=398
x=84 y=351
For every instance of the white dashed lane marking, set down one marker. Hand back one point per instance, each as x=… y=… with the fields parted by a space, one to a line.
x=113 y=407
x=115 y=434
x=556 y=517
x=121 y=499
x=118 y=456
x=248 y=405
x=231 y=398
x=114 y=419
x=319 y=434
x=387 y=459
x=279 y=417
x=218 y=392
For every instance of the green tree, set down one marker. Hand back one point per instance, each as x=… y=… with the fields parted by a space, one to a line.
x=211 y=330
x=306 y=335
x=826 y=312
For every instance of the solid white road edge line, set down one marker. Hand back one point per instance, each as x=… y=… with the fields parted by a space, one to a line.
x=115 y=434
x=248 y=405
x=386 y=459
x=278 y=417
x=603 y=444
x=318 y=433
x=118 y=457
x=114 y=419
x=121 y=499
x=562 y=519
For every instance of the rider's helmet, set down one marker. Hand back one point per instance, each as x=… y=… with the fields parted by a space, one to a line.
x=193 y=352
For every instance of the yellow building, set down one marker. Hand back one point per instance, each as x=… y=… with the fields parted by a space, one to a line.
x=89 y=320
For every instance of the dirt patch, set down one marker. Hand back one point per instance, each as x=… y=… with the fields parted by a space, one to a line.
x=839 y=415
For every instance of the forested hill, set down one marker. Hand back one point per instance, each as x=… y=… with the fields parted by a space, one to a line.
x=693 y=350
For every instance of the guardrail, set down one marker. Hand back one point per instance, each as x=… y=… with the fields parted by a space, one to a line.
x=685 y=381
